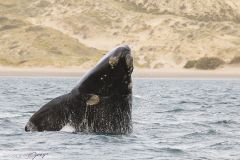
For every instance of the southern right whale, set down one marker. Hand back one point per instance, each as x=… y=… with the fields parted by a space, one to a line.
x=100 y=103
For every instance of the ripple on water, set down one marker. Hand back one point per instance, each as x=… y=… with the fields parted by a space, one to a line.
x=223 y=122
x=173 y=150
x=198 y=134
x=172 y=119
x=176 y=110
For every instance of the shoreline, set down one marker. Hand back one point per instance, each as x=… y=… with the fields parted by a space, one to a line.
x=223 y=73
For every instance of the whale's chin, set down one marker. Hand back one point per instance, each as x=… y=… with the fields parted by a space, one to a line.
x=30 y=127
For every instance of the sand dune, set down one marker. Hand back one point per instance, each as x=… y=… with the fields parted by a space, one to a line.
x=162 y=34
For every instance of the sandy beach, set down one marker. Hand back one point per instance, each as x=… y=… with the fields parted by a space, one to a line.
x=227 y=72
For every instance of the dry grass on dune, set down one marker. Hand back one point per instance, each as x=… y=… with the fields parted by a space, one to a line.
x=162 y=34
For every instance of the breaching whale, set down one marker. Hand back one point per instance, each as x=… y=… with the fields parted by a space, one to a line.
x=100 y=103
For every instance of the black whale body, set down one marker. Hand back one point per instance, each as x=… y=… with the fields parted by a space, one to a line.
x=100 y=103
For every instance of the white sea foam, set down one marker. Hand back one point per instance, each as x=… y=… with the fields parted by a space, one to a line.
x=68 y=128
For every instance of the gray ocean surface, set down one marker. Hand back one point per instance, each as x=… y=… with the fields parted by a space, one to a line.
x=172 y=120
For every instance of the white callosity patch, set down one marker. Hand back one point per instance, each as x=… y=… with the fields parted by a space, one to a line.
x=129 y=61
x=68 y=128
x=93 y=100
x=113 y=61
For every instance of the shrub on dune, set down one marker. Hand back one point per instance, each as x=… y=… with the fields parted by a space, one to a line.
x=209 y=63
x=190 y=64
x=235 y=60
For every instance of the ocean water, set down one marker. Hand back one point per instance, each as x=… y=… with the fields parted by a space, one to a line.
x=172 y=120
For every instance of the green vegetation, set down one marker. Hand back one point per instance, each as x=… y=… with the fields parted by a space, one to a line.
x=209 y=63
x=235 y=60
x=190 y=64
x=205 y=63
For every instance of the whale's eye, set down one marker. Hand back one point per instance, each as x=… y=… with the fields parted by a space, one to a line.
x=93 y=100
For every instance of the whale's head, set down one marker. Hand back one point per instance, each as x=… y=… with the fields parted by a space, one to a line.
x=111 y=75
x=108 y=91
